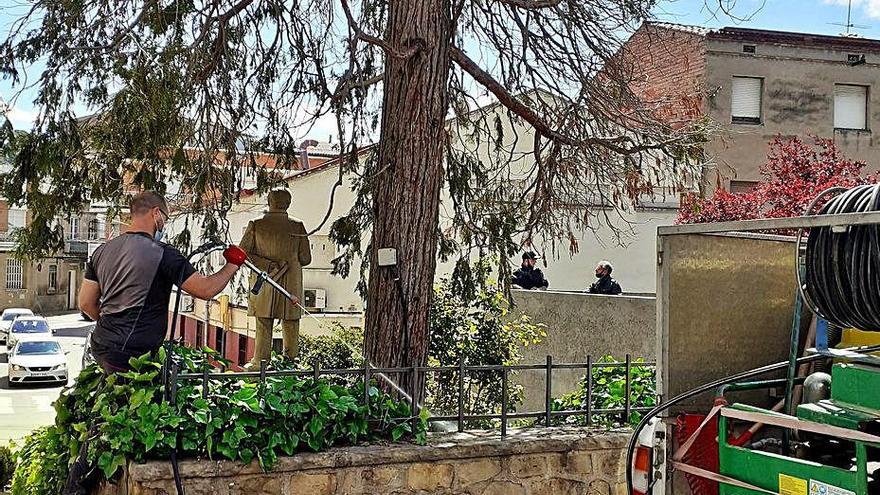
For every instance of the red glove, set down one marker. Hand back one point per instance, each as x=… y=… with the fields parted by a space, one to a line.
x=235 y=255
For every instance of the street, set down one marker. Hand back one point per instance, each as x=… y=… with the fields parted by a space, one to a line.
x=27 y=407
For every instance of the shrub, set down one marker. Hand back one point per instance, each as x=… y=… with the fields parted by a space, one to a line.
x=240 y=419
x=609 y=392
x=794 y=174
x=479 y=332
x=332 y=351
x=7 y=466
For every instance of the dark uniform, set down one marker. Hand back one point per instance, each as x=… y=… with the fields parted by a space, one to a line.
x=605 y=285
x=529 y=277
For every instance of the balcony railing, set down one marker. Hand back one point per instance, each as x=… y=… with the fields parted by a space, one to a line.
x=76 y=247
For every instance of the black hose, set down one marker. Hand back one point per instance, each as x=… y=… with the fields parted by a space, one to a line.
x=709 y=387
x=842 y=279
x=167 y=376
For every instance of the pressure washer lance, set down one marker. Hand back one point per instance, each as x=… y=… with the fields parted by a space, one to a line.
x=263 y=277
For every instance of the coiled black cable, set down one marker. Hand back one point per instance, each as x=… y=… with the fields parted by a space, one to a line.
x=842 y=269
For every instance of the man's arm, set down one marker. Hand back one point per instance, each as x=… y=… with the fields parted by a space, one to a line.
x=90 y=299
x=542 y=282
x=305 y=249
x=206 y=287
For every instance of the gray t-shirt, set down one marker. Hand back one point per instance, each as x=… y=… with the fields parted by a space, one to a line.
x=136 y=275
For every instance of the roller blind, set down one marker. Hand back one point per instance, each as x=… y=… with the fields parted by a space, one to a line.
x=745 y=102
x=850 y=106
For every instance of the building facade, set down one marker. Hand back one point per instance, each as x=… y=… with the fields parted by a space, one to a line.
x=754 y=85
x=48 y=285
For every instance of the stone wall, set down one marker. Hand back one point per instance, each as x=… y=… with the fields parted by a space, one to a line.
x=528 y=462
x=579 y=325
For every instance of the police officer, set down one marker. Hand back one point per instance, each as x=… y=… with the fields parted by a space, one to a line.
x=528 y=276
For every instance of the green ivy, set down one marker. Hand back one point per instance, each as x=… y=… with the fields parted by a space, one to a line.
x=239 y=419
x=609 y=392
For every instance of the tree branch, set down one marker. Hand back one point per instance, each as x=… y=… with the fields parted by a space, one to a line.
x=375 y=40
x=505 y=98
x=617 y=144
x=349 y=85
x=122 y=34
x=531 y=4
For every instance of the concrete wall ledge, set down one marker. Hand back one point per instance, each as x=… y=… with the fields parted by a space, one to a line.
x=528 y=462
x=445 y=446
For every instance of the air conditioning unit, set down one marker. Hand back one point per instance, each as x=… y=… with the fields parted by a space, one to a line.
x=315 y=298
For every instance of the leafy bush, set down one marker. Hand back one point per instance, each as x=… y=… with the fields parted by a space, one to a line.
x=479 y=332
x=240 y=419
x=609 y=392
x=331 y=351
x=7 y=466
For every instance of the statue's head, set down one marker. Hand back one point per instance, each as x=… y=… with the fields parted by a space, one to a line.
x=279 y=200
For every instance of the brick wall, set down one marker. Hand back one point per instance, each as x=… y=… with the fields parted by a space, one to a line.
x=186 y=327
x=528 y=462
x=4 y=216
x=668 y=71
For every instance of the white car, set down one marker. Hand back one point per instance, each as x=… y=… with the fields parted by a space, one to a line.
x=37 y=361
x=28 y=328
x=8 y=316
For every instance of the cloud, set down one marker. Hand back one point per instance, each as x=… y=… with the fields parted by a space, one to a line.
x=20 y=118
x=871 y=8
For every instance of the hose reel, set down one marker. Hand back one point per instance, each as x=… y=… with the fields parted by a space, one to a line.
x=840 y=280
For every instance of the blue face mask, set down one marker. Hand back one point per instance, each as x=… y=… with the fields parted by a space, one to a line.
x=160 y=233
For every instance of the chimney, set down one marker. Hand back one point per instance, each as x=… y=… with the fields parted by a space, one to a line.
x=304 y=153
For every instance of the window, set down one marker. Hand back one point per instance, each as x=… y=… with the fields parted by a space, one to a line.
x=748 y=48
x=74 y=227
x=242 y=349
x=854 y=59
x=200 y=334
x=219 y=341
x=16 y=220
x=102 y=226
x=742 y=186
x=14 y=274
x=850 y=106
x=53 y=277
x=93 y=229
x=745 y=100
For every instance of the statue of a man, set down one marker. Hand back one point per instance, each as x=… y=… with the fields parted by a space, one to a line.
x=278 y=245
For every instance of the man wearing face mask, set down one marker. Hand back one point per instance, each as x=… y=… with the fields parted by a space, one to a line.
x=605 y=285
x=129 y=280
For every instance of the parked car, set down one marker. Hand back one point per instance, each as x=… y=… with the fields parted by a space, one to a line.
x=88 y=359
x=28 y=328
x=37 y=361
x=7 y=318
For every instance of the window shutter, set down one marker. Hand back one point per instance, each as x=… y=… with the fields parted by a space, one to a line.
x=745 y=103
x=850 y=106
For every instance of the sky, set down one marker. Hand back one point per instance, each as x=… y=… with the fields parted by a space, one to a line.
x=814 y=16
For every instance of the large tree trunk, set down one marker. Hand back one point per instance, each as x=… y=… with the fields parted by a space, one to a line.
x=406 y=194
